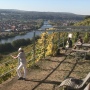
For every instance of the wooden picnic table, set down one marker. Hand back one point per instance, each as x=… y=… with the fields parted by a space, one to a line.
x=84 y=45
x=80 y=52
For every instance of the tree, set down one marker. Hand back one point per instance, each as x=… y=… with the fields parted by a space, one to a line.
x=87 y=17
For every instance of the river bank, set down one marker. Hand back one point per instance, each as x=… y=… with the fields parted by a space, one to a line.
x=5 y=35
x=25 y=34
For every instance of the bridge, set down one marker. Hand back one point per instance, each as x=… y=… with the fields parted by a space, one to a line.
x=50 y=71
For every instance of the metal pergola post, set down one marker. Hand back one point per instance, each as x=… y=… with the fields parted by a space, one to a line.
x=59 y=40
x=53 y=38
x=45 y=44
x=63 y=41
x=34 y=45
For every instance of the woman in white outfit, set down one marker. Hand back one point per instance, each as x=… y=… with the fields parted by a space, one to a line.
x=22 y=63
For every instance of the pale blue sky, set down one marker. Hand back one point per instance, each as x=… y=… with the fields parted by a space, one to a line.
x=72 y=6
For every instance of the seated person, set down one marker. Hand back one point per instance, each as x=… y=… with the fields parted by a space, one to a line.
x=69 y=43
x=79 y=41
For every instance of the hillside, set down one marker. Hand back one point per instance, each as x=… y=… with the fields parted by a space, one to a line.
x=20 y=14
x=85 y=22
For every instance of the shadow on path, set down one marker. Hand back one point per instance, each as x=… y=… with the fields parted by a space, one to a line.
x=43 y=81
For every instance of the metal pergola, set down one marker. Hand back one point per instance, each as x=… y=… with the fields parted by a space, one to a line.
x=56 y=29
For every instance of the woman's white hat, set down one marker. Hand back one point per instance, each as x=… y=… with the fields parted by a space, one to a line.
x=70 y=35
x=20 y=49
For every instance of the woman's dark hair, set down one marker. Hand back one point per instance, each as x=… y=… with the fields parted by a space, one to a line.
x=21 y=51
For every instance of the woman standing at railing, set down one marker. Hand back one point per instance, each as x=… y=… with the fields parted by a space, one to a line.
x=22 y=63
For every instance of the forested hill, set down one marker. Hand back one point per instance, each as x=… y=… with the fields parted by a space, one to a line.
x=85 y=22
x=20 y=14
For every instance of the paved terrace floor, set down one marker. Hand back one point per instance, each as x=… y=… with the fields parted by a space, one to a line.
x=48 y=74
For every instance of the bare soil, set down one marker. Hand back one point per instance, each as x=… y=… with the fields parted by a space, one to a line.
x=48 y=73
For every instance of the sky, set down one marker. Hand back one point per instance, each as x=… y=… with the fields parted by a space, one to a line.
x=81 y=7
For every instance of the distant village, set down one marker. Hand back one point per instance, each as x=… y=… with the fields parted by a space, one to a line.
x=17 y=25
x=13 y=22
x=9 y=28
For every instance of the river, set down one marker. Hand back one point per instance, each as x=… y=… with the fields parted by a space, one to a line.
x=27 y=35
